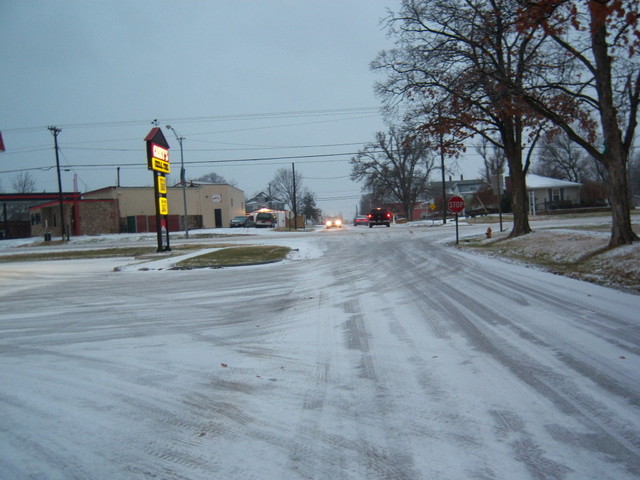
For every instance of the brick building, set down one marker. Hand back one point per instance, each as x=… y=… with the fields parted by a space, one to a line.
x=132 y=209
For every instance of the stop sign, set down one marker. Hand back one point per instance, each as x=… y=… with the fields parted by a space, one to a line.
x=456 y=204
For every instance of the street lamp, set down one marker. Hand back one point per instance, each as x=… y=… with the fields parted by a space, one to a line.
x=183 y=181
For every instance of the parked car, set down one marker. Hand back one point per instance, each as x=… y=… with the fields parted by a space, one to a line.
x=360 y=220
x=333 y=222
x=265 y=219
x=242 y=221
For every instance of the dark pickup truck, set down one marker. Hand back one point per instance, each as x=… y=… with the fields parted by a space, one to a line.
x=379 y=216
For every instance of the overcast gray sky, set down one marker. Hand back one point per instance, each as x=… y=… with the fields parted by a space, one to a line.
x=239 y=79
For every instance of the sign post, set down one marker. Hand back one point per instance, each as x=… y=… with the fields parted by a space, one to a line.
x=158 y=162
x=432 y=207
x=456 y=205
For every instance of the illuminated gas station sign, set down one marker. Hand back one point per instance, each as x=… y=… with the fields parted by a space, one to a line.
x=159 y=159
x=158 y=162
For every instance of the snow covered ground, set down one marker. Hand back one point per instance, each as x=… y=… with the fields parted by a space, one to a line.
x=367 y=354
x=574 y=247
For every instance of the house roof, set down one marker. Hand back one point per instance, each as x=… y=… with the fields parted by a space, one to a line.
x=452 y=185
x=538 y=181
x=474 y=181
x=260 y=196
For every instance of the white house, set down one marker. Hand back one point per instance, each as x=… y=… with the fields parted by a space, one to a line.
x=263 y=200
x=546 y=193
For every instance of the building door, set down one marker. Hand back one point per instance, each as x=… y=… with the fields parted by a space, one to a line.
x=218 y=216
x=131 y=224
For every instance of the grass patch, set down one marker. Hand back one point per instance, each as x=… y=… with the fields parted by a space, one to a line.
x=235 y=256
x=115 y=252
x=215 y=235
x=78 y=254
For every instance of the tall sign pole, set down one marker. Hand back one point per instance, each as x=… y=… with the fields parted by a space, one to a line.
x=158 y=163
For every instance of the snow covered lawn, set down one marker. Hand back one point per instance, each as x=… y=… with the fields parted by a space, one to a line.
x=572 y=252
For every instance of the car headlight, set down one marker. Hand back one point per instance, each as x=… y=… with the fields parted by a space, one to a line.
x=338 y=222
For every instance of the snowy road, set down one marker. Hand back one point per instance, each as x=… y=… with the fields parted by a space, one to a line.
x=373 y=354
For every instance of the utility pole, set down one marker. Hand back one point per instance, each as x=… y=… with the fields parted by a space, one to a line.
x=295 y=207
x=444 y=188
x=55 y=131
x=183 y=181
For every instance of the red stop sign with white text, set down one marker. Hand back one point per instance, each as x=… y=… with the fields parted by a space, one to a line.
x=456 y=204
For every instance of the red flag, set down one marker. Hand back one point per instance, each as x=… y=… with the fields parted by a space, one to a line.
x=1 y=143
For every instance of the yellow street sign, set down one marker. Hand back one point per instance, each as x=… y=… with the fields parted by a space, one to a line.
x=162 y=184
x=160 y=165
x=163 y=206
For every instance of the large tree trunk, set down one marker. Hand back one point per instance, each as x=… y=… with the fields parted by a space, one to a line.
x=621 y=231
x=615 y=155
x=511 y=132
x=519 y=201
x=408 y=214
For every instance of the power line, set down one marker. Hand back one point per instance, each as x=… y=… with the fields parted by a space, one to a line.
x=271 y=147
x=344 y=197
x=211 y=118
x=69 y=146
x=267 y=127
x=303 y=158
x=326 y=178
x=44 y=169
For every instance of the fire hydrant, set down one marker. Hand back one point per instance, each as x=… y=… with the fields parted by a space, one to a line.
x=489 y=232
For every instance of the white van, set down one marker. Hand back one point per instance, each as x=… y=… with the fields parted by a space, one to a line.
x=265 y=219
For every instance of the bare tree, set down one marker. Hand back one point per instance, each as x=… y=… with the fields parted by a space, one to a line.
x=23 y=182
x=396 y=165
x=588 y=84
x=493 y=160
x=215 y=178
x=559 y=157
x=366 y=203
x=447 y=58
x=287 y=187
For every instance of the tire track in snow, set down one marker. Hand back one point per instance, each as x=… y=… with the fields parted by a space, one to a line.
x=319 y=453
x=482 y=327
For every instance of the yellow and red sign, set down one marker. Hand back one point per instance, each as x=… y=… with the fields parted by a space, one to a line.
x=159 y=159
